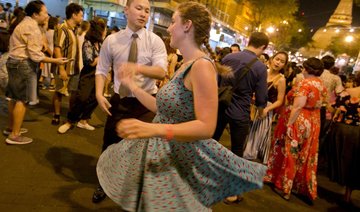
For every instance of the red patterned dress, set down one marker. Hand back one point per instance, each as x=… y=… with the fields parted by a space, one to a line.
x=294 y=150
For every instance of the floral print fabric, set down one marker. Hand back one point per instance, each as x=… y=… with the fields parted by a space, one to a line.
x=292 y=164
x=348 y=109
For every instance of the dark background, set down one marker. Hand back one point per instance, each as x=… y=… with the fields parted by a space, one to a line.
x=318 y=12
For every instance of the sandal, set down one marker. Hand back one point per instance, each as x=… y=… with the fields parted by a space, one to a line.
x=238 y=199
x=282 y=194
x=55 y=120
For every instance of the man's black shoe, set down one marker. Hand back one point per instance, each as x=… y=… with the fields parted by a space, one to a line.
x=99 y=195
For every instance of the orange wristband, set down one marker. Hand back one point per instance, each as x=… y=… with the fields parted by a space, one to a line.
x=169 y=132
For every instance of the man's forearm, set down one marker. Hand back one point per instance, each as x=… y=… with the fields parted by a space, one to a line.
x=155 y=72
x=99 y=84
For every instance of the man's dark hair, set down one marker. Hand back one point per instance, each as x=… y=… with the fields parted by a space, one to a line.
x=267 y=57
x=18 y=10
x=8 y=5
x=258 y=39
x=115 y=29
x=73 y=8
x=314 y=66
x=235 y=45
x=328 y=62
x=52 y=22
x=34 y=7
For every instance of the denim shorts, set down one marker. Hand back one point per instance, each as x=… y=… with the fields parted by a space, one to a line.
x=20 y=75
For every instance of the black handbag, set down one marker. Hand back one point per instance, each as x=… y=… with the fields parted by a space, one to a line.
x=226 y=92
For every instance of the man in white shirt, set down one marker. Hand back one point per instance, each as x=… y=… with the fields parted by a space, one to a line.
x=151 y=65
x=334 y=87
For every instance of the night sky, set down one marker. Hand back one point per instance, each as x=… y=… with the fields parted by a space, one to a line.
x=318 y=12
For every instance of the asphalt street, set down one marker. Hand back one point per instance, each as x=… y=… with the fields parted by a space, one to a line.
x=57 y=172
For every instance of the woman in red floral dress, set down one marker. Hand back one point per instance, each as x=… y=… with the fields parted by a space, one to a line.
x=294 y=152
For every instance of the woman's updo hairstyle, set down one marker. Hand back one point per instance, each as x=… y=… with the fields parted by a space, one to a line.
x=314 y=66
x=201 y=21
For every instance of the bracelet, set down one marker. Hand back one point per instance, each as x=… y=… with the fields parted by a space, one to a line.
x=169 y=132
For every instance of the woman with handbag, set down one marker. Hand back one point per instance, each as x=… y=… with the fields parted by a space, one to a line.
x=259 y=138
x=84 y=101
x=292 y=164
x=343 y=141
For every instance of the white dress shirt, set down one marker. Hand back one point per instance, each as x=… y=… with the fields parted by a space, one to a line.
x=115 y=51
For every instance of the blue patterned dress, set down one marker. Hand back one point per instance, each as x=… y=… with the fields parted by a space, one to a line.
x=154 y=174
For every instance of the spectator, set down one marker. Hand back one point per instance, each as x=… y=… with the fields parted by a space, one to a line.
x=237 y=114
x=2 y=13
x=66 y=45
x=293 y=159
x=259 y=139
x=344 y=141
x=19 y=15
x=264 y=58
x=4 y=48
x=25 y=52
x=84 y=102
x=8 y=11
x=84 y=27
x=235 y=48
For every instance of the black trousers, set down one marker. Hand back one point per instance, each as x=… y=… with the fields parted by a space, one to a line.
x=83 y=101
x=128 y=107
x=238 y=132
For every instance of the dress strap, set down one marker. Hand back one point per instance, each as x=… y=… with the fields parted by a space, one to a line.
x=187 y=70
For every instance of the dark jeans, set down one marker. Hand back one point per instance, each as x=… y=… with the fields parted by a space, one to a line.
x=238 y=132
x=83 y=101
x=128 y=107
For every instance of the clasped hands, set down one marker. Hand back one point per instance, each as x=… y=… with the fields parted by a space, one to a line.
x=127 y=73
x=132 y=128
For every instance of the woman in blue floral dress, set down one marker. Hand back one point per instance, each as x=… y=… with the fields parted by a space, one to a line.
x=173 y=164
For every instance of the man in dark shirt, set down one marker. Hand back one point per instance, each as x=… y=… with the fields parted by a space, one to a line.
x=237 y=115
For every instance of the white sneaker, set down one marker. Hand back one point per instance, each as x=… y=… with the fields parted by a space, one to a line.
x=85 y=126
x=64 y=128
x=8 y=131
x=32 y=103
x=18 y=140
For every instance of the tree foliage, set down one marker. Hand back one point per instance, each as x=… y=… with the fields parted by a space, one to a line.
x=282 y=15
x=339 y=46
x=265 y=12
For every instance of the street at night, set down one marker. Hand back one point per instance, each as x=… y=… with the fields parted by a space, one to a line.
x=57 y=172
x=257 y=105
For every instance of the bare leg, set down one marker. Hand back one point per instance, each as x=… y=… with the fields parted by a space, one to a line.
x=18 y=117
x=11 y=105
x=57 y=98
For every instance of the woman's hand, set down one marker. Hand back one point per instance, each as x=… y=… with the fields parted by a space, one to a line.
x=127 y=72
x=264 y=113
x=133 y=128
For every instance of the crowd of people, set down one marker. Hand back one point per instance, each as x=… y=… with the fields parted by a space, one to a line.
x=164 y=123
